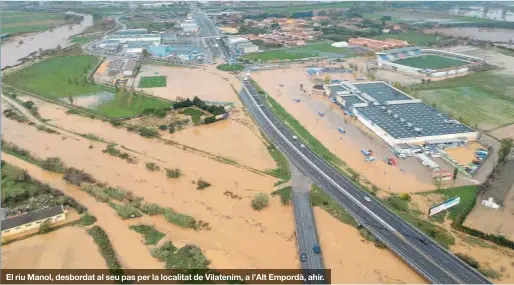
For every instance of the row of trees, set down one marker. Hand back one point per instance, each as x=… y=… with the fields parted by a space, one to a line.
x=213 y=109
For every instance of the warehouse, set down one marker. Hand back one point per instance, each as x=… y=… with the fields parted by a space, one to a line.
x=32 y=220
x=396 y=117
x=143 y=38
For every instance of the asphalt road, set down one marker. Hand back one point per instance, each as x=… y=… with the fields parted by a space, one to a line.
x=428 y=258
x=306 y=233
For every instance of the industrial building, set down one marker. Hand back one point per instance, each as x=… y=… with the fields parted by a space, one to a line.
x=131 y=32
x=125 y=67
x=140 y=38
x=395 y=116
x=240 y=45
x=32 y=221
x=189 y=26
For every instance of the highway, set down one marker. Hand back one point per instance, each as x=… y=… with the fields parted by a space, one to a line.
x=428 y=258
x=306 y=233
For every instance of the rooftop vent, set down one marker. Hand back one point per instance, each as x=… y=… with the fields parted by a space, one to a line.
x=402 y=120
x=409 y=125
x=418 y=130
x=395 y=116
x=389 y=112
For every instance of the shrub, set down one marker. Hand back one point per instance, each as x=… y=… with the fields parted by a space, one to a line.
x=469 y=260
x=162 y=253
x=180 y=220
x=187 y=257
x=163 y=127
x=147 y=132
x=96 y=191
x=115 y=123
x=87 y=219
x=116 y=194
x=53 y=164
x=126 y=211
x=260 y=201
x=75 y=176
x=152 y=166
x=173 y=173
x=209 y=120
x=202 y=184
x=105 y=246
x=152 y=209
x=405 y=197
x=152 y=236
x=45 y=227
x=111 y=149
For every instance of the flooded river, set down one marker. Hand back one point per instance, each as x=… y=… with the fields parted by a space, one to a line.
x=482 y=12
x=12 y=52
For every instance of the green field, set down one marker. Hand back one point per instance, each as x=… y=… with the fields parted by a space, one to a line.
x=431 y=62
x=321 y=49
x=152 y=81
x=63 y=77
x=29 y=22
x=481 y=99
x=80 y=39
x=416 y=38
x=194 y=113
x=230 y=67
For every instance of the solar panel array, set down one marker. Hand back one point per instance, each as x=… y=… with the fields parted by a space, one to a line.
x=351 y=100
x=381 y=91
x=336 y=88
x=412 y=120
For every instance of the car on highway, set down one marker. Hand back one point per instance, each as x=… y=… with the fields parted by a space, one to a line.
x=303 y=257
x=367 y=199
x=302 y=145
x=316 y=249
x=261 y=105
x=295 y=137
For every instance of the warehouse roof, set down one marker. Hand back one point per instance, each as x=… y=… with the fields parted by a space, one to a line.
x=412 y=120
x=381 y=91
x=336 y=88
x=131 y=32
x=351 y=100
x=38 y=215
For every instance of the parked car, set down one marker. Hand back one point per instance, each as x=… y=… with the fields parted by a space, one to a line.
x=302 y=146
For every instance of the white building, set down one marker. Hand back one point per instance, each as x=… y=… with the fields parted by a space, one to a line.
x=130 y=67
x=32 y=221
x=189 y=26
x=142 y=38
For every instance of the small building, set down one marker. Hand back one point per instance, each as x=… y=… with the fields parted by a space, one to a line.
x=131 y=32
x=403 y=148
x=189 y=26
x=33 y=220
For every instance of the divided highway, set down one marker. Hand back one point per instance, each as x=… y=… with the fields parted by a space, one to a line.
x=306 y=233
x=428 y=258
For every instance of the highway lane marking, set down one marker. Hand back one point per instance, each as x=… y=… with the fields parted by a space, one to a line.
x=351 y=197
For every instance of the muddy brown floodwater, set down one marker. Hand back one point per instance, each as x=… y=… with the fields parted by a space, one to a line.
x=240 y=237
x=12 y=52
x=66 y=248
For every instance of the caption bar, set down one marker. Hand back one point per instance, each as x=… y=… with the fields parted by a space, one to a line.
x=233 y=276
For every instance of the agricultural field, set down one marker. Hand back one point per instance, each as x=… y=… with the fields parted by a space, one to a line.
x=152 y=81
x=431 y=62
x=64 y=79
x=481 y=100
x=321 y=49
x=79 y=39
x=411 y=37
x=20 y=22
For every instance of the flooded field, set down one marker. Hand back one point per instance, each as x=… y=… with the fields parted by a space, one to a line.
x=207 y=84
x=231 y=138
x=65 y=248
x=504 y=132
x=347 y=147
x=481 y=34
x=12 y=51
x=354 y=260
x=236 y=227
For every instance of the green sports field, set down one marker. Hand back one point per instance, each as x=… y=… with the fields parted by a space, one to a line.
x=431 y=62
x=64 y=79
x=152 y=81
x=312 y=50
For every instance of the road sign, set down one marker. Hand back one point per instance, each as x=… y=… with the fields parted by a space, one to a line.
x=443 y=206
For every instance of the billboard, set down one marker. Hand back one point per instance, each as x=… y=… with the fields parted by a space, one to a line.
x=443 y=206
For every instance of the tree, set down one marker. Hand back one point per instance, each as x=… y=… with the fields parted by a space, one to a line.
x=260 y=201
x=505 y=149
x=45 y=227
x=455 y=173
x=327 y=79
